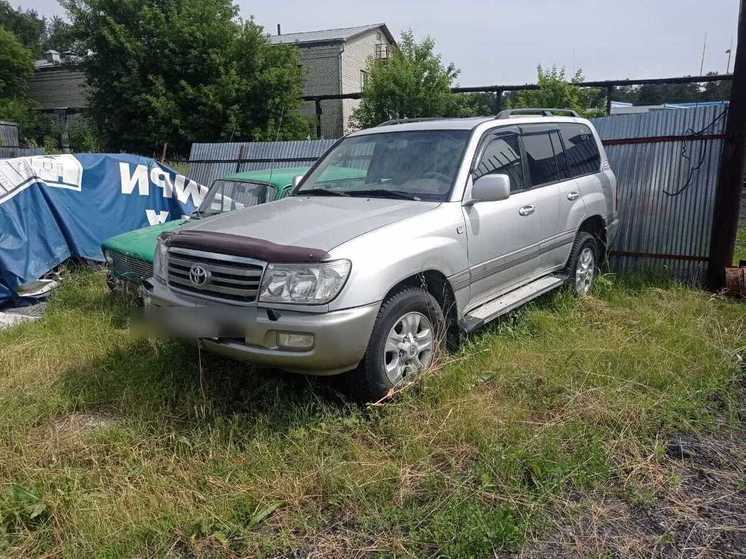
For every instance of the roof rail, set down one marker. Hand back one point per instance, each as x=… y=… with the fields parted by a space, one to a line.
x=407 y=120
x=536 y=112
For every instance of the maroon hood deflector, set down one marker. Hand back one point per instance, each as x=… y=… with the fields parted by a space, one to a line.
x=236 y=245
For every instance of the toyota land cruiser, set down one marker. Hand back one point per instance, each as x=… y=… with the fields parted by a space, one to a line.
x=437 y=224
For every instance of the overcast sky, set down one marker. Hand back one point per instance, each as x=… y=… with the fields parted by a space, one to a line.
x=502 y=41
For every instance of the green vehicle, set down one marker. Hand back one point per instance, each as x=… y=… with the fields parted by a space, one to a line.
x=130 y=255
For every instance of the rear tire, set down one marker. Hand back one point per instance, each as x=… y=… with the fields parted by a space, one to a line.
x=582 y=267
x=406 y=338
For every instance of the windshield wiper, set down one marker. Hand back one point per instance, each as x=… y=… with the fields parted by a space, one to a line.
x=385 y=193
x=321 y=192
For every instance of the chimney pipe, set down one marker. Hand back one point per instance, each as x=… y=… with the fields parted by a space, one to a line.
x=279 y=31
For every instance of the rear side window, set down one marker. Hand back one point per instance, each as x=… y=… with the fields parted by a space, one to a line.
x=544 y=164
x=581 y=150
x=502 y=156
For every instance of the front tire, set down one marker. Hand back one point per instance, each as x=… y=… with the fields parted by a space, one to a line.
x=582 y=268
x=405 y=340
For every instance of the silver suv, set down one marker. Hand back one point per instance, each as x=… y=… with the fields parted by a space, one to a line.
x=398 y=235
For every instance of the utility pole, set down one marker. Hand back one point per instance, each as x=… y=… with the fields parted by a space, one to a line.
x=731 y=175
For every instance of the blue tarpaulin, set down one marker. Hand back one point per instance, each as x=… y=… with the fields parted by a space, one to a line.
x=55 y=207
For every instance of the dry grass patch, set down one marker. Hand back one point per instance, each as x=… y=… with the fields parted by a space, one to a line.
x=555 y=420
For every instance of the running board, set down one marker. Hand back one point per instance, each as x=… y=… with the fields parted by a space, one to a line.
x=504 y=304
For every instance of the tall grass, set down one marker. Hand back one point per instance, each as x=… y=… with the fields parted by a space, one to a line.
x=109 y=446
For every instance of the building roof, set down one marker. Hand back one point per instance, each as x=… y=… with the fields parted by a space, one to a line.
x=330 y=35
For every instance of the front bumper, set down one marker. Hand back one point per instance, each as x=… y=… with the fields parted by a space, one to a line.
x=252 y=333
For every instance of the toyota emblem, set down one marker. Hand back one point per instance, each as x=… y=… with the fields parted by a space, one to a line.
x=198 y=275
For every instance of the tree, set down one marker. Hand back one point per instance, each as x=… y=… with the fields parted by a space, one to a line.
x=16 y=66
x=16 y=69
x=183 y=71
x=58 y=35
x=412 y=82
x=27 y=26
x=555 y=91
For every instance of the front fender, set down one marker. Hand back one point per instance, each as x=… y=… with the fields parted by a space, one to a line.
x=383 y=258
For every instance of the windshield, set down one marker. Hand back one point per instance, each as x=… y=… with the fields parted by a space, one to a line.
x=418 y=165
x=226 y=196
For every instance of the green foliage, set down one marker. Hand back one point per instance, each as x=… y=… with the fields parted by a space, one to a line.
x=16 y=66
x=16 y=69
x=82 y=135
x=27 y=26
x=556 y=91
x=470 y=528
x=412 y=82
x=657 y=94
x=35 y=127
x=36 y=33
x=182 y=71
x=20 y=509
x=477 y=104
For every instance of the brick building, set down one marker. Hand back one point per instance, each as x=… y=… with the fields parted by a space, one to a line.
x=334 y=61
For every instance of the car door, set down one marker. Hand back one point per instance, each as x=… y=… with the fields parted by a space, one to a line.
x=580 y=161
x=503 y=237
x=547 y=178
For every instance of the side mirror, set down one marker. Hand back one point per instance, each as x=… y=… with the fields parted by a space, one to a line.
x=490 y=188
x=296 y=180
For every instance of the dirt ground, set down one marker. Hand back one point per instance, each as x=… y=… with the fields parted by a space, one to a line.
x=691 y=503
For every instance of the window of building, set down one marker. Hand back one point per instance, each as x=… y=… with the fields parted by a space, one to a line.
x=581 y=150
x=502 y=156
x=363 y=79
x=382 y=51
x=543 y=162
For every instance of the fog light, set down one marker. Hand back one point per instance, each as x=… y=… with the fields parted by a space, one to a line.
x=294 y=340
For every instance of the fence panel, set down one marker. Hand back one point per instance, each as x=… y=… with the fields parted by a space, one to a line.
x=213 y=161
x=11 y=152
x=666 y=163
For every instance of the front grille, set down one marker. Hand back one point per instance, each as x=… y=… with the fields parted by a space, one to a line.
x=233 y=279
x=129 y=267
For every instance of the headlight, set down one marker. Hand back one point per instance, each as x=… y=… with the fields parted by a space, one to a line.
x=304 y=283
x=160 y=260
x=108 y=257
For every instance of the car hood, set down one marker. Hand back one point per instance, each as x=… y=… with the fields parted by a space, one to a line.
x=140 y=243
x=320 y=222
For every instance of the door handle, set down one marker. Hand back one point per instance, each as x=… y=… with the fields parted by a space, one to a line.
x=527 y=210
x=573 y=195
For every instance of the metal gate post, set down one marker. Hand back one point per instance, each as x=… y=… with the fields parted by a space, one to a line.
x=730 y=178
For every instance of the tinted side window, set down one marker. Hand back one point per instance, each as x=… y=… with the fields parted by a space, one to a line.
x=502 y=156
x=580 y=149
x=543 y=164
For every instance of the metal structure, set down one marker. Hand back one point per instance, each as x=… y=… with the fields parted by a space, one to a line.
x=733 y=164
x=213 y=161
x=8 y=134
x=666 y=164
x=607 y=85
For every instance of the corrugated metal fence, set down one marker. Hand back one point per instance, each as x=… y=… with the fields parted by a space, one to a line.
x=8 y=134
x=666 y=163
x=9 y=142
x=208 y=162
